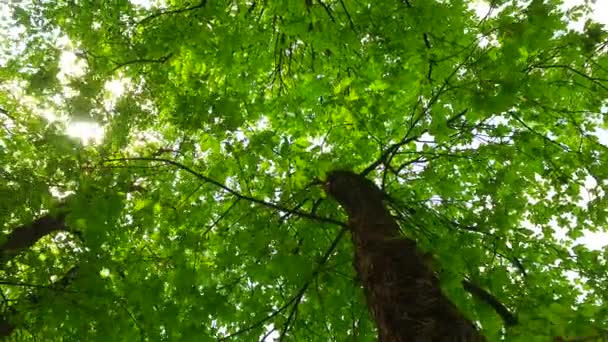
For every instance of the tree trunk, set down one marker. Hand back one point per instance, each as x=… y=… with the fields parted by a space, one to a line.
x=403 y=293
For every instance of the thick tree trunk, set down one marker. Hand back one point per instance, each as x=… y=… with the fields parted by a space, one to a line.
x=403 y=293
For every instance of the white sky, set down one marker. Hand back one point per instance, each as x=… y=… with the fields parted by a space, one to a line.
x=600 y=10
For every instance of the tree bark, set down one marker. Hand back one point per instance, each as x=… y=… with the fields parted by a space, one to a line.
x=27 y=235
x=403 y=293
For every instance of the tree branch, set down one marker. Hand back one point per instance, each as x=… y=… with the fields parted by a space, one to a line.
x=231 y=191
x=160 y=60
x=508 y=318
x=170 y=12
x=295 y=299
x=27 y=235
x=595 y=80
x=388 y=154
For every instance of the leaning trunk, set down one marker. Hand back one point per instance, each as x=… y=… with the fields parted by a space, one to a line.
x=403 y=293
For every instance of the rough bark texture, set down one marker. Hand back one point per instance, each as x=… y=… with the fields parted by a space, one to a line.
x=403 y=293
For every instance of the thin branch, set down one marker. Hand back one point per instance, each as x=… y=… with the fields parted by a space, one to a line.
x=160 y=60
x=388 y=154
x=544 y=137
x=508 y=318
x=350 y=19
x=291 y=316
x=46 y=287
x=170 y=12
x=268 y=334
x=133 y=319
x=295 y=299
x=231 y=191
x=222 y=216
x=328 y=10
x=595 y=80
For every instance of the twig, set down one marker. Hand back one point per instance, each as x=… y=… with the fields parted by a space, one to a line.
x=295 y=299
x=387 y=155
x=328 y=10
x=595 y=80
x=169 y=12
x=143 y=60
x=222 y=216
x=350 y=19
x=291 y=316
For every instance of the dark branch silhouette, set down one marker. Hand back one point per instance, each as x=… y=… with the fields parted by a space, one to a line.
x=508 y=318
x=231 y=191
x=171 y=12
x=295 y=300
x=27 y=235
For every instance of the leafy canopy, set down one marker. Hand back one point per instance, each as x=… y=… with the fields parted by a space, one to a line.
x=199 y=216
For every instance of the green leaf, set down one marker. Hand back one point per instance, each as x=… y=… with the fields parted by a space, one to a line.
x=205 y=204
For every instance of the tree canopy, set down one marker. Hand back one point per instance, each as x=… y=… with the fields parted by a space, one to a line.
x=201 y=214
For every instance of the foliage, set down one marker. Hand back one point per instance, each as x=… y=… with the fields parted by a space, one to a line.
x=200 y=217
